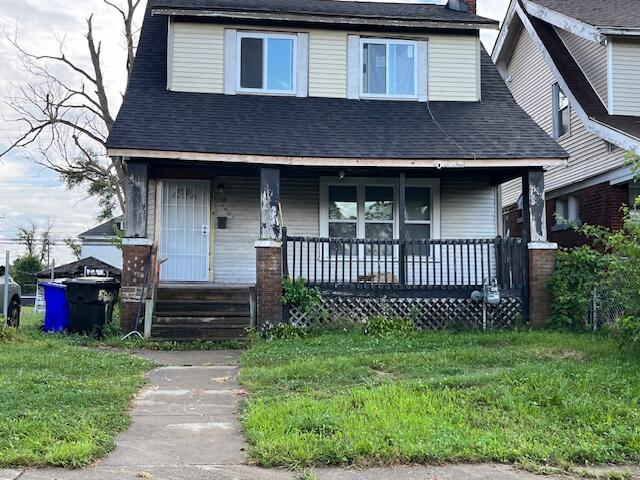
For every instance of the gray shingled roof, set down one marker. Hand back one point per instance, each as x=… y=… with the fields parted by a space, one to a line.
x=153 y=118
x=76 y=269
x=599 y=13
x=104 y=229
x=397 y=11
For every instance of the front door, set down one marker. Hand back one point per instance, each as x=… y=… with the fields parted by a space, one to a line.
x=184 y=231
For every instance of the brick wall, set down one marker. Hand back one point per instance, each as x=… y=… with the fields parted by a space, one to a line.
x=599 y=205
x=135 y=260
x=542 y=263
x=268 y=285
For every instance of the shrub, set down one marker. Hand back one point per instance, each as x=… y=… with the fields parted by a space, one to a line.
x=389 y=326
x=7 y=334
x=577 y=273
x=297 y=294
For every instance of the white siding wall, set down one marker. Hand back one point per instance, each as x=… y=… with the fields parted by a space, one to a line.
x=234 y=247
x=467 y=209
x=196 y=61
x=592 y=59
x=327 y=64
x=531 y=83
x=625 y=77
x=453 y=68
x=151 y=209
x=197 y=58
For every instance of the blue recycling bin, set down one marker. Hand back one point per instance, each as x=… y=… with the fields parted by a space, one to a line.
x=56 y=317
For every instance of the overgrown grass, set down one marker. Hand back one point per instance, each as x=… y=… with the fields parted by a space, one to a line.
x=536 y=397
x=113 y=338
x=61 y=404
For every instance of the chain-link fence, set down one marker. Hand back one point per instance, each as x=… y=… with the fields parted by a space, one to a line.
x=604 y=309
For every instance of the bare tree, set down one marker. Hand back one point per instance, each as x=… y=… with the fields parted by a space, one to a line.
x=31 y=238
x=66 y=115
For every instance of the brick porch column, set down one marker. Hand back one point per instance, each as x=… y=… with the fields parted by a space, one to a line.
x=542 y=254
x=135 y=261
x=136 y=248
x=269 y=250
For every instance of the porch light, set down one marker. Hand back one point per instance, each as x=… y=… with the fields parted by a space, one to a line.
x=341 y=174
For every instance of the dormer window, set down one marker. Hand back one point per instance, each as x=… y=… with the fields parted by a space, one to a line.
x=389 y=68
x=267 y=63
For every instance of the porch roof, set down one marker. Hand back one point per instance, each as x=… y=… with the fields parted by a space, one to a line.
x=155 y=119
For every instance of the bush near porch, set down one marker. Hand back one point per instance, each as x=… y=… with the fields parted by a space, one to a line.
x=61 y=404
x=349 y=398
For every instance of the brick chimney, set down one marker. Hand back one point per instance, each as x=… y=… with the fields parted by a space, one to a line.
x=462 y=5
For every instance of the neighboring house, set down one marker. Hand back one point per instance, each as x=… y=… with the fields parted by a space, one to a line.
x=574 y=66
x=100 y=242
x=376 y=133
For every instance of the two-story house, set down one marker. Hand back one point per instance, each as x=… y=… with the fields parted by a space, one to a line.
x=574 y=66
x=358 y=146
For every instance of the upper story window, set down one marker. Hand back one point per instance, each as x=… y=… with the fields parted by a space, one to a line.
x=561 y=113
x=389 y=68
x=266 y=63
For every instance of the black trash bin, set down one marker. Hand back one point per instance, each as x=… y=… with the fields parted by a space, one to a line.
x=91 y=302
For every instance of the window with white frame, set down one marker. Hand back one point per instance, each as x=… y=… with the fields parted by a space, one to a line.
x=567 y=211
x=389 y=68
x=634 y=199
x=561 y=113
x=266 y=63
x=367 y=208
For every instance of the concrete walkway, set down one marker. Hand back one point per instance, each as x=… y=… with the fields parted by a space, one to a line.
x=185 y=427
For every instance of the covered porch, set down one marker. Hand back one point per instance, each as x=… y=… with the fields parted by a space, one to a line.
x=417 y=232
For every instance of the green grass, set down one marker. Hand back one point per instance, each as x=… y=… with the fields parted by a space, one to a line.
x=61 y=404
x=525 y=397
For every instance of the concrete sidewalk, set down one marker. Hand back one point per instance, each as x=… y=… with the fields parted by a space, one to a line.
x=185 y=427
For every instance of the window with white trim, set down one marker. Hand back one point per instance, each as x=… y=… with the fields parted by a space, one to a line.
x=561 y=113
x=367 y=208
x=567 y=212
x=389 y=68
x=266 y=63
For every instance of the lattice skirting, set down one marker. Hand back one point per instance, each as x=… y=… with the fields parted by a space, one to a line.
x=428 y=313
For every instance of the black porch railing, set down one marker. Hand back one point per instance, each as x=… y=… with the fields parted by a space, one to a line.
x=425 y=265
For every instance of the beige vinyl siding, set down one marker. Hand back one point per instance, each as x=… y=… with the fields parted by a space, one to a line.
x=592 y=59
x=196 y=61
x=531 y=83
x=453 y=68
x=625 y=77
x=327 y=64
x=197 y=58
x=467 y=208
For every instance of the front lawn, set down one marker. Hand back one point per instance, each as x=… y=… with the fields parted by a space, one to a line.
x=530 y=397
x=61 y=404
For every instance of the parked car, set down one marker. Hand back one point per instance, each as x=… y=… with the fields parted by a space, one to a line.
x=15 y=293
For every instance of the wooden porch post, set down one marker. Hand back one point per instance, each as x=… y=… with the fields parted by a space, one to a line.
x=136 y=198
x=402 y=209
x=269 y=250
x=542 y=254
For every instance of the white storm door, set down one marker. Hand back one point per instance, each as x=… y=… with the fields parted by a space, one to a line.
x=184 y=230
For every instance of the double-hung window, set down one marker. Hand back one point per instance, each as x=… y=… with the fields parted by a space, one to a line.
x=389 y=68
x=266 y=63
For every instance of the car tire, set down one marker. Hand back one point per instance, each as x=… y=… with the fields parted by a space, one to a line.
x=14 y=314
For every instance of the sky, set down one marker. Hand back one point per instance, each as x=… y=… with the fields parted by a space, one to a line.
x=29 y=192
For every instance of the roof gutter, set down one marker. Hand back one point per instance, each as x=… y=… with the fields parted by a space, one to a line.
x=325 y=19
